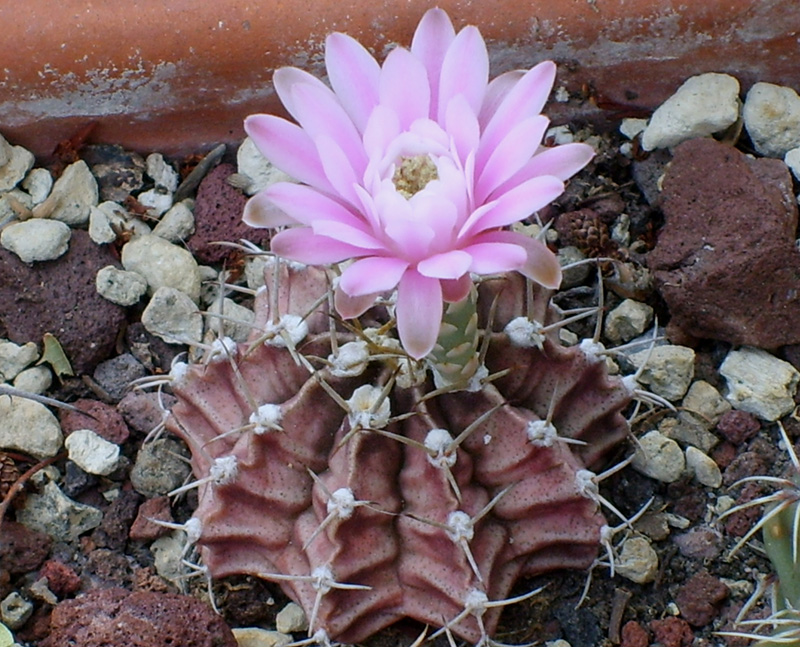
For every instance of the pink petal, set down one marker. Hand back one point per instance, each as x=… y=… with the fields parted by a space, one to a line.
x=338 y=170
x=404 y=86
x=354 y=75
x=541 y=265
x=352 y=235
x=560 y=161
x=465 y=70
x=525 y=99
x=455 y=290
x=516 y=204
x=495 y=166
x=302 y=245
x=462 y=125
x=496 y=91
x=286 y=78
x=431 y=40
x=372 y=275
x=288 y=147
x=447 y=265
x=434 y=211
x=419 y=313
x=261 y=211
x=305 y=205
x=382 y=127
x=320 y=114
x=491 y=258
x=350 y=307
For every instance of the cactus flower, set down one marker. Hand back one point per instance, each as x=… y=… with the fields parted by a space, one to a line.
x=414 y=170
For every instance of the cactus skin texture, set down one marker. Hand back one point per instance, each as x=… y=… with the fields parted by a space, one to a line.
x=363 y=527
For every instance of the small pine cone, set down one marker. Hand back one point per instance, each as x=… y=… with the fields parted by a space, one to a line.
x=9 y=474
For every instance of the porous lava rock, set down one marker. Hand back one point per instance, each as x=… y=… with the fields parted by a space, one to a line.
x=60 y=297
x=218 y=217
x=423 y=503
x=103 y=419
x=117 y=617
x=725 y=261
x=21 y=549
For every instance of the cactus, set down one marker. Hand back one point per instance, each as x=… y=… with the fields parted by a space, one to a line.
x=780 y=529
x=328 y=461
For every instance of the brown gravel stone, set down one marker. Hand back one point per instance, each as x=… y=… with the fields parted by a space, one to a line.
x=142 y=411
x=729 y=224
x=142 y=619
x=61 y=579
x=117 y=521
x=218 y=216
x=634 y=635
x=60 y=297
x=699 y=599
x=672 y=632
x=22 y=549
x=738 y=426
x=104 y=420
x=145 y=530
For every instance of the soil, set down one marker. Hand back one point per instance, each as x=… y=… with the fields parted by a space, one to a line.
x=699 y=587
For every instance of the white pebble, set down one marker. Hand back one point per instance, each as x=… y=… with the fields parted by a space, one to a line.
x=772 y=119
x=36 y=379
x=36 y=239
x=164 y=176
x=252 y=164
x=792 y=160
x=15 y=162
x=703 y=467
x=703 y=105
x=119 y=286
x=237 y=323
x=72 y=197
x=38 y=183
x=54 y=513
x=173 y=316
x=637 y=561
x=177 y=224
x=630 y=127
x=92 y=453
x=290 y=619
x=156 y=201
x=29 y=427
x=704 y=399
x=669 y=370
x=628 y=320
x=162 y=264
x=15 y=358
x=258 y=637
x=659 y=457
x=759 y=383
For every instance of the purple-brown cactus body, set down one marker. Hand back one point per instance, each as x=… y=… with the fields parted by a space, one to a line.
x=365 y=527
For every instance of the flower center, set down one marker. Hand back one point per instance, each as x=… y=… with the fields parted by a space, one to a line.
x=413 y=174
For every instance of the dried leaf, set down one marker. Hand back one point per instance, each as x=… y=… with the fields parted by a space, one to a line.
x=54 y=355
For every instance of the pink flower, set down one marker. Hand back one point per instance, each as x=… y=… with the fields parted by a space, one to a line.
x=415 y=169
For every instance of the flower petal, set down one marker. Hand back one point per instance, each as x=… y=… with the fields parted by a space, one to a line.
x=350 y=307
x=372 y=275
x=404 y=87
x=338 y=169
x=286 y=78
x=346 y=234
x=303 y=245
x=261 y=211
x=419 y=313
x=354 y=75
x=516 y=204
x=305 y=205
x=462 y=125
x=455 y=290
x=465 y=70
x=495 y=166
x=431 y=40
x=288 y=147
x=447 y=265
x=496 y=91
x=541 y=265
x=525 y=99
x=491 y=258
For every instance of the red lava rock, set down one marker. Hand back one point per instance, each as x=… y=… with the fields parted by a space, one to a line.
x=738 y=426
x=142 y=411
x=117 y=520
x=745 y=464
x=730 y=222
x=634 y=635
x=739 y=523
x=699 y=599
x=218 y=216
x=142 y=619
x=724 y=454
x=699 y=543
x=104 y=420
x=60 y=297
x=61 y=579
x=672 y=632
x=145 y=530
x=21 y=549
